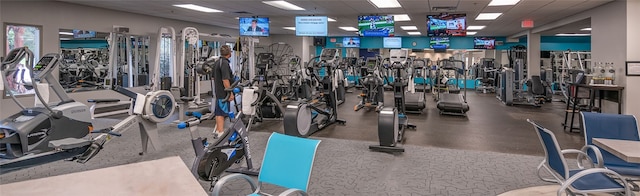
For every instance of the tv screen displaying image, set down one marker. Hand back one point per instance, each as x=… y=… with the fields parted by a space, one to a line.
x=447 y=25
x=83 y=34
x=382 y=26
x=351 y=42
x=254 y=27
x=392 y=42
x=311 y=26
x=484 y=43
x=439 y=42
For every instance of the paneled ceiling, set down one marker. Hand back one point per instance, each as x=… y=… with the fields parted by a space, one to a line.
x=346 y=12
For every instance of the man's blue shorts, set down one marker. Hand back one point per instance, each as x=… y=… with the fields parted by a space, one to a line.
x=222 y=108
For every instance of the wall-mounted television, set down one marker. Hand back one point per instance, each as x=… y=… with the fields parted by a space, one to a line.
x=392 y=42
x=439 y=43
x=382 y=26
x=83 y=34
x=252 y=26
x=311 y=26
x=447 y=25
x=484 y=43
x=351 y=42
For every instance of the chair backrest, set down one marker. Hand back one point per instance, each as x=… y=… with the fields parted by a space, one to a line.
x=552 y=151
x=288 y=161
x=609 y=126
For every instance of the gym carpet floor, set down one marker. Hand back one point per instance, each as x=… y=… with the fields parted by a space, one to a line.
x=491 y=151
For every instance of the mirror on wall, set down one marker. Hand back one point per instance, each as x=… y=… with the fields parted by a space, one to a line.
x=92 y=60
x=18 y=35
x=85 y=61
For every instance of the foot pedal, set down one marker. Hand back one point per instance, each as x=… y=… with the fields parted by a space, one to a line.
x=69 y=143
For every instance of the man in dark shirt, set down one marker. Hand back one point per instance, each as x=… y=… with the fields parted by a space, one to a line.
x=222 y=78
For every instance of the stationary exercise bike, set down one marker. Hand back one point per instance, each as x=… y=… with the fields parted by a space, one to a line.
x=392 y=122
x=307 y=117
x=372 y=85
x=60 y=131
x=212 y=159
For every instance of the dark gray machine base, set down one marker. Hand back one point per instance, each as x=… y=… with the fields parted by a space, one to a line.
x=244 y=170
x=452 y=104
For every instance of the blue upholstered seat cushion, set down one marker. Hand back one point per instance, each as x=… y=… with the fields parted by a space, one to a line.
x=594 y=181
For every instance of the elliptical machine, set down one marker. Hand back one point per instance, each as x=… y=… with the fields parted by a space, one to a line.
x=307 y=117
x=372 y=85
x=213 y=159
x=392 y=122
x=30 y=131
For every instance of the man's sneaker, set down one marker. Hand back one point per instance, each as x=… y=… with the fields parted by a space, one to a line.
x=217 y=134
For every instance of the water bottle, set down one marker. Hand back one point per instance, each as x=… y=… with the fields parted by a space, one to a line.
x=610 y=74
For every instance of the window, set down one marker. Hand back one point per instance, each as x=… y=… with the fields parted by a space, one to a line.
x=18 y=36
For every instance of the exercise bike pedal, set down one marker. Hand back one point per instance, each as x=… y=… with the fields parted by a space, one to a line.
x=342 y=122
x=410 y=126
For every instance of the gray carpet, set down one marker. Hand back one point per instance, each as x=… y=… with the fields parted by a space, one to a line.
x=342 y=167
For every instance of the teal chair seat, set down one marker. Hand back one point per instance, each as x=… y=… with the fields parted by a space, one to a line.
x=287 y=162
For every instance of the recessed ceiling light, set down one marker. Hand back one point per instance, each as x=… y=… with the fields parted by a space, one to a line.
x=471 y=32
x=503 y=2
x=289 y=28
x=409 y=28
x=385 y=3
x=237 y=18
x=488 y=16
x=348 y=28
x=475 y=27
x=401 y=17
x=65 y=33
x=573 y=34
x=283 y=5
x=331 y=19
x=414 y=33
x=197 y=8
x=586 y=29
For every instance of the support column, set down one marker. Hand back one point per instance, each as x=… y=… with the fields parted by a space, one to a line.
x=533 y=54
x=498 y=57
x=307 y=52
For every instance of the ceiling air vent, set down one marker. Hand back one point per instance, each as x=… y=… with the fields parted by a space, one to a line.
x=444 y=8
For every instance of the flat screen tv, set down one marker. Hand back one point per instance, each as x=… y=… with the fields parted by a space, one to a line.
x=83 y=34
x=439 y=43
x=351 y=42
x=381 y=26
x=311 y=26
x=447 y=25
x=254 y=27
x=484 y=43
x=392 y=42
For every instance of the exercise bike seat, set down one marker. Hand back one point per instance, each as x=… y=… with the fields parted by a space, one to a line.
x=69 y=143
x=103 y=100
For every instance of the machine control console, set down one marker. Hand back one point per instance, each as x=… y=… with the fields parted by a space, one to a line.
x=45 y=65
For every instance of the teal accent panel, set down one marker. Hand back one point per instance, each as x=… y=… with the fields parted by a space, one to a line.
x=548 y=43
x=73 y=44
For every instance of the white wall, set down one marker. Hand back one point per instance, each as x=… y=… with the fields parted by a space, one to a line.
x=608 y=45
x=53 y=16
x=633 y=54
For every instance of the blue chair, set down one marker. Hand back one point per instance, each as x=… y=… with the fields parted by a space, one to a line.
x=287 y=163
x=580 y=181
x=612 y=126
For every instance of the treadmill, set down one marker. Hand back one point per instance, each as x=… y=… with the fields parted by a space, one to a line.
x=453 y=103
x=415 y=100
